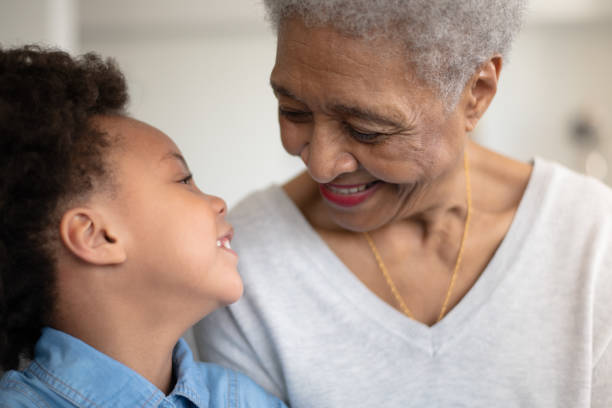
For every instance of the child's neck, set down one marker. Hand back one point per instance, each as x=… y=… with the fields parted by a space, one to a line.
x=148 y=352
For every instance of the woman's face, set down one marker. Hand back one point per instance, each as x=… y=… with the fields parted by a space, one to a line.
x=375 y=138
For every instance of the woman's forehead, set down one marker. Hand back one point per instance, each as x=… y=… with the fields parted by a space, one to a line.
x=320 y=56
x=316 y=69
x=326 y=41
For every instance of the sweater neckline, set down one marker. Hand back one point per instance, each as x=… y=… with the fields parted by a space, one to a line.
x=430 y=339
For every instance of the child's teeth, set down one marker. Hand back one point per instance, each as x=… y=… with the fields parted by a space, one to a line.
x=224 y=243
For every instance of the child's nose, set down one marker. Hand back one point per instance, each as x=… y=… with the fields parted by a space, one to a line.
x=219 y=205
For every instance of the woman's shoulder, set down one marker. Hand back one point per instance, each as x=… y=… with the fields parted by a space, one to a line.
x=234 y=389
x=265 y=214
x=259 y=205
x=565 y=211
x=567 y=192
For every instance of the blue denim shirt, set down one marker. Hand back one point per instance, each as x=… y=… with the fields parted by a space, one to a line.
x=66 y=372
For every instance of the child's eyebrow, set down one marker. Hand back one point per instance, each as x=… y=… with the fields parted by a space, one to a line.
x=175 y=155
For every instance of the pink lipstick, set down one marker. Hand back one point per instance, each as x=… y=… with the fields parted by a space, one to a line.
x=348 y=195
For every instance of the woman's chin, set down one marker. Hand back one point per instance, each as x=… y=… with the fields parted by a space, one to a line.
x=360 y=220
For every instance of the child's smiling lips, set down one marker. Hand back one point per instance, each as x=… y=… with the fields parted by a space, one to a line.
x=224 y=241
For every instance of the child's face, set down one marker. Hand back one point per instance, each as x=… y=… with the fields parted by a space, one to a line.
x=171 y=230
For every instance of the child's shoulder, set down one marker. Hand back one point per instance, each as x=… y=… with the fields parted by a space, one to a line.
x=232 y=388
x=19 y=390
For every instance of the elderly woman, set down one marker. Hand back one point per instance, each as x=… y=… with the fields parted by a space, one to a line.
x=409 y=266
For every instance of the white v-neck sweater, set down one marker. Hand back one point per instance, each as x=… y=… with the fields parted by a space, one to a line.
x=534 y=331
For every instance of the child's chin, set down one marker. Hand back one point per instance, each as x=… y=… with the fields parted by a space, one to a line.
x=233 y=295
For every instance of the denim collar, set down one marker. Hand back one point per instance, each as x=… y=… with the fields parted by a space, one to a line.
x=89 y=378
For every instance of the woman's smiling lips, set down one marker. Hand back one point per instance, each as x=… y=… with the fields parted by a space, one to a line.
x=348 y=195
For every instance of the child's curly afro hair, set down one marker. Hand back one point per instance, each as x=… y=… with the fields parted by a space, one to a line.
x=50 y=151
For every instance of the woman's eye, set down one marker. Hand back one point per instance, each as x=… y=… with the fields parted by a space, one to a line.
x=361 y=136
x=295 y=116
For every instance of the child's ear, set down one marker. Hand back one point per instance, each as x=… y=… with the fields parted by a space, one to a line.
x=87 y=236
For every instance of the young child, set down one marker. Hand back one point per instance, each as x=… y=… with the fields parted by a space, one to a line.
x=108 y=249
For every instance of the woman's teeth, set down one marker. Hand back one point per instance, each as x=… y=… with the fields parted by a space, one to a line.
x=224 y=243
x=351 y=190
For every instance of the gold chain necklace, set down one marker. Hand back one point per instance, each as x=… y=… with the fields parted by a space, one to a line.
x=449 y=292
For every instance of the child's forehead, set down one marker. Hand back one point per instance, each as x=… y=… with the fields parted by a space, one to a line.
x=132 y=136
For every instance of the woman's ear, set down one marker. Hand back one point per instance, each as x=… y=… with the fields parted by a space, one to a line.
x=87 y=236
x=481 y=89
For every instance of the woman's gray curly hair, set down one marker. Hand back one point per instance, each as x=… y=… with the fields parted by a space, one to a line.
x=447 y=40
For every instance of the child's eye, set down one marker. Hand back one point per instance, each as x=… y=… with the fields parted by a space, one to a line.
x=187 y=180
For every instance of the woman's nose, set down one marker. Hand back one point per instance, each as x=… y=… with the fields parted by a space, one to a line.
x=326 y=156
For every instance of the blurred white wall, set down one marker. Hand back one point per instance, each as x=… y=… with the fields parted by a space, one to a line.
x=556 y=73
x=199 y=71
x=39 y=21
x=211 y=95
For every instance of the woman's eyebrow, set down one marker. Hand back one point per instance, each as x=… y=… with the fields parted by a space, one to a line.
x=394 y=118
x=281 y=90
x=391 y=117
